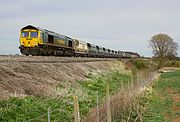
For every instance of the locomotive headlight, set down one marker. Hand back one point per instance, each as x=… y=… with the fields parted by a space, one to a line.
x=22 y=43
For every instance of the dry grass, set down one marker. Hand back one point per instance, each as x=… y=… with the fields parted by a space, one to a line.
x=40 y=76
x=124 y=105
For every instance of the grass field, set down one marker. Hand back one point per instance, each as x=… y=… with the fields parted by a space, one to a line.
x=163 y=104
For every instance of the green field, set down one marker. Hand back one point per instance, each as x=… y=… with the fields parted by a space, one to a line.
x=163 y=104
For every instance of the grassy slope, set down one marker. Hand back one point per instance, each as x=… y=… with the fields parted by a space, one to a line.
x=163 y=104
x=21 y=109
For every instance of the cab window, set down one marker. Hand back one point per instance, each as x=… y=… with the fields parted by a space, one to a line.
x=34 y=34
x=25 y=34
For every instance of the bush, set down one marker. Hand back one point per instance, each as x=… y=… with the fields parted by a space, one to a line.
x=173 y=63
x=139 y=64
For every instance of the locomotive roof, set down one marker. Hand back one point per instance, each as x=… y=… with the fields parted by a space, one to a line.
x=30 y=27
x=45 y=30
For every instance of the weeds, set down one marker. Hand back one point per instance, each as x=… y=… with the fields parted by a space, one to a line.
x=15 y=109
x=18 y=109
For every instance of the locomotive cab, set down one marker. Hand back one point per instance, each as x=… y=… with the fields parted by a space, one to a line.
x=30 y=36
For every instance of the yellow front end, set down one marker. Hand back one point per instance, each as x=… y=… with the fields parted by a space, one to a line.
x=30 y=38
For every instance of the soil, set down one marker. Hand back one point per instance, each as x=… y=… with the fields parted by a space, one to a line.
x=39 y=76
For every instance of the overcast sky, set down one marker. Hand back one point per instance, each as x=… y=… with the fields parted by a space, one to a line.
x=115 y=24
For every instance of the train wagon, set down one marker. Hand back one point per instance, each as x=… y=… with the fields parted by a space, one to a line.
x=128 y=54
x=81 y=48
x=100 y=51
x=92 y=50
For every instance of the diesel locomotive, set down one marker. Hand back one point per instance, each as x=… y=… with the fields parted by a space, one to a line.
x=36 y=41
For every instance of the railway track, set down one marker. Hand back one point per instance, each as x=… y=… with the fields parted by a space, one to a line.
x=51 y=59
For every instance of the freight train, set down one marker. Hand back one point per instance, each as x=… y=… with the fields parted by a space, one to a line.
x=36 y=41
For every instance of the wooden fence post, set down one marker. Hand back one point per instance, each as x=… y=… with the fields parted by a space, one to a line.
x=76 y=109
x=97 y=100
x=49 y=115
x=108 y=104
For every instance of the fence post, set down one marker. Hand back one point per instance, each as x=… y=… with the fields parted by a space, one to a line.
x=60 y=114
x=76 y=109
x=108 y=104
x=97 y=100
x=49 y=115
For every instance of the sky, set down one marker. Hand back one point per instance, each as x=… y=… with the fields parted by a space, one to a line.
x=125 y=25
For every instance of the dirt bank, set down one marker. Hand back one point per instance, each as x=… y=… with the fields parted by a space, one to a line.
x=18 y=78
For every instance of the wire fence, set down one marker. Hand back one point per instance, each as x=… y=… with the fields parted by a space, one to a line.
x=123 y=104
x=117 y=107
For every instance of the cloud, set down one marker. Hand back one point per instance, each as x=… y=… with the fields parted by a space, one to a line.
x=116 y=24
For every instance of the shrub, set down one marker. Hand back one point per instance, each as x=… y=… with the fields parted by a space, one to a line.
x=173 y=63
x=139 y=64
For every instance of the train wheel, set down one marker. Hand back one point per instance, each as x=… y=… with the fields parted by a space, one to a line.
x=55 y=53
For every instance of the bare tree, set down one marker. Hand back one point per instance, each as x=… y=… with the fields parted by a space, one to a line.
x=163 y=46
